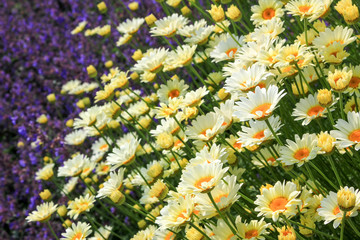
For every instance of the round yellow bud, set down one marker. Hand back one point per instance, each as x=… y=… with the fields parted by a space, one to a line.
x=144 y=122
x=266 y=186
x=95 y=178
x=232 y=157
x=185 y=11
x=91 y=71
x=67 y=223
x=80 y=104
x=101 y=185
x=159 y=190
x=69 y=123
x=297 y=89
x=340 y=79
x=20 y=144
x=87 y=180
x=51 y=98
x=137 y=55
x=142 y=224
x=102 y=7
x=62 y=210
x=217 y=13
x=165 y=140
x=133 y=6
x=346 y=199
x=127 y=191
x=183 y=162
x=324 y=97
x=128 y=185
x=155 y=170
x=46 y=159
x=351 y=14
x=113 y=124
x=233 y=13
x=148 y=207
x=42 y=119
x=326 y=142
x=150 y=20
x=45 y=195
x=134 y=76
x=137 y=207
x=117 y=197
x=223 y=95
x=174 y=3
x=86 y=101
x=109 y=64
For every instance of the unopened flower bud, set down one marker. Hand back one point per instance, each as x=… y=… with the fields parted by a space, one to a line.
x=67 y=223
x=69 y=123
x=51 y=98
x=91 y=71
x=150 y=20
x=137 y=55
x=326 y=142
x=62 y=210
x=217 y=13
x=117 y=197
x=346 y=199
x=324 y=97
x=233 y=13
x=185 y=11
x=133 y=6
x=45 y=195
x=141 y=224
x=102 y=7
x=223 y=95
x=42 y=119
x=165 y=140
x=109 y=64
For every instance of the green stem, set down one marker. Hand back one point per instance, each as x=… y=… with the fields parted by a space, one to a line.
x=334 y=170
x=52 y=230
x=343 y=226
x=273 y=132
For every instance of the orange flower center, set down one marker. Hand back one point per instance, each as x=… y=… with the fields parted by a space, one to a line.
x=202 y=180
x=217 y=199
x=174 y=93
x=204 y=132
x=105 y=168
x=336 y=210
x=231 y=52
x=237 y=145
x=278 y=204
x=103 y=147
x=354 y=82
x=251 y=234
x=268 y=13
x=271 y=159
x=262 y=108
x=181 y=215
x=259 y=135
x=77 y=236
x=286 y=232
x=355 y=136
x=314 y=111
x=301 y=153
x=304 y=9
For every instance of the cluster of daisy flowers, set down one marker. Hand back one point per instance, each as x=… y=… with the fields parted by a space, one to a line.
x=243 y=124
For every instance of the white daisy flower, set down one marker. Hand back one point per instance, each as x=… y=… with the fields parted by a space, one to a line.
x=205 y=127
x=226 y=49
x=168 y=26
x=130 y=26
x=348 y=133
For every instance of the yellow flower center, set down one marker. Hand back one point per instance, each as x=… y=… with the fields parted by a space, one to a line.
x=354 y=82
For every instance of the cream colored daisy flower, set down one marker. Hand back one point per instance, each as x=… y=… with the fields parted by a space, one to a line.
x=194 y=98
x=258 y=132
x=266 y=11
x=224 y=195
x=168 y=26
x=348 y=133
x=226 y=49
x=258 y=105
x=73 y=167
x=302 y=150
x=76 y=137
x=277 y=200
x=124 y=155
x=42 y=213
x=265 y=155
x=153 y=62
x=130 y=26
x=45 y=173
x=80 y=205
x=79 y=231
x=182 y=57
x=205 y=127
x=114 y=183
x=173 y=88
x=254 y=230
x=310 y=9
x=201 y=178
x=308 y=109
